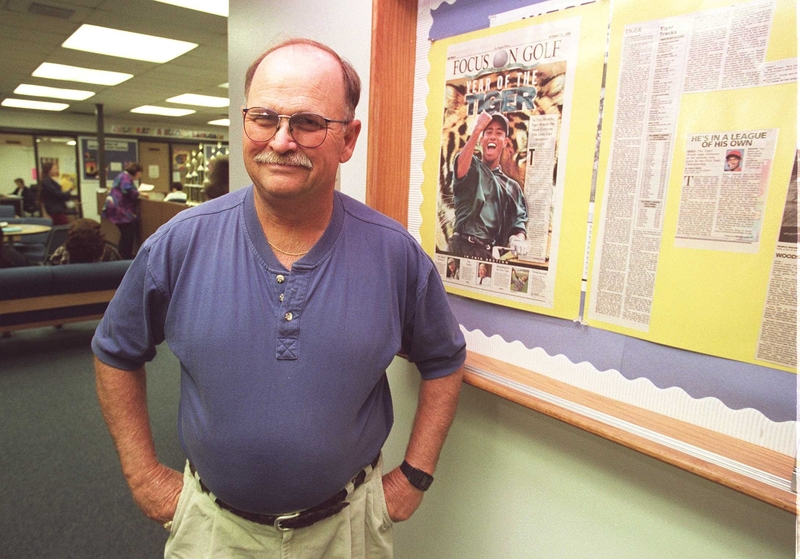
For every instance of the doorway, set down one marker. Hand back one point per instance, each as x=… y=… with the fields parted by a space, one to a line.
x=63 y=151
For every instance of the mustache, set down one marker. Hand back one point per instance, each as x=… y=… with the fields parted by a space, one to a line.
x=291 y=159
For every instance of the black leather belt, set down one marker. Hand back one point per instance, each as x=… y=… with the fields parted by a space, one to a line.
x=300 y=519
x=473 y=240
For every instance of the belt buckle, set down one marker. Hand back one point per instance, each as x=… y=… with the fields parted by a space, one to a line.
x=281 y=518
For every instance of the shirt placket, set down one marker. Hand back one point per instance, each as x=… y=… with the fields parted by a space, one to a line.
x=292 y=289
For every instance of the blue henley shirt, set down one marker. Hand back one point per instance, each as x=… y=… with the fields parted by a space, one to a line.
x=284 y=394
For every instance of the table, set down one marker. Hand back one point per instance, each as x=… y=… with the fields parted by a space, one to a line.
x=14 y=230
x=19 y=229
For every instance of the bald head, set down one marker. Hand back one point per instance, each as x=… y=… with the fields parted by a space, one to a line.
x=350 y=79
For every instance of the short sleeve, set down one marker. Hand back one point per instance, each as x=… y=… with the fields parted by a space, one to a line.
x=432 y=338
x=133 y=324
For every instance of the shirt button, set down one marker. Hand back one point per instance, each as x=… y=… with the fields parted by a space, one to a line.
x=281 y=297
x=288 y=316
x=280 y=278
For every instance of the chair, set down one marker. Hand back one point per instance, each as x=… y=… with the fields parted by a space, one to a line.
x=7 y=211
x=58 y=236
x=34 y=247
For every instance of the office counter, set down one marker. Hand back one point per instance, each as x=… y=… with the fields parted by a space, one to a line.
x=152 y=215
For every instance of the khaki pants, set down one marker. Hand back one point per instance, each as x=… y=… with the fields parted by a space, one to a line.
x=201 y=529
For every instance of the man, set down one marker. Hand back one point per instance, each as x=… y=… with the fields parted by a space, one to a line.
x=285 y=302
x=490 y=207
x=28 y=196
x=733 y=161
x=176 y=193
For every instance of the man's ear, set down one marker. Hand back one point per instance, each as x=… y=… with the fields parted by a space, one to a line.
x=351 y=132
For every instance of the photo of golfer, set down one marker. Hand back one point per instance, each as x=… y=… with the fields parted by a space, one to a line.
x=733 y=160
x=490 y=207
x=453 y=268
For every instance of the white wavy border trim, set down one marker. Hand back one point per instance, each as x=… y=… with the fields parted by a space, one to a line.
x=746 y=424
x=422 y=68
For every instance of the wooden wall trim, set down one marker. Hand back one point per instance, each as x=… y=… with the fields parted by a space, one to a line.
x=391 y=102
x=753 y=456
x=56 y=301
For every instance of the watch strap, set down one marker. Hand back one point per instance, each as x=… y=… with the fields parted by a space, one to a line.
x=418 y=478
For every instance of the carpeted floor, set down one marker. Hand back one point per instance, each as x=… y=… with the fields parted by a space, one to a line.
x=62 y=494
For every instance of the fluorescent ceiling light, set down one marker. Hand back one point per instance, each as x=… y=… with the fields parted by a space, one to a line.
x=200 y=100
x=76 y=74
x=163 y=111
x=37 y=105
x=216 y=7
x=55 y=92
x=221 y=122
x=71 y=143
x=224 y=85
x=125 y=44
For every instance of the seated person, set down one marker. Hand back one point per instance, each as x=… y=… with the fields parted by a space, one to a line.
x=85 y=243
x=28 y=196
x=176 y=193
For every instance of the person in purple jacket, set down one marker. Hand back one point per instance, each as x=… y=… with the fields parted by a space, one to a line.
x=284 y=302
x=122 y=208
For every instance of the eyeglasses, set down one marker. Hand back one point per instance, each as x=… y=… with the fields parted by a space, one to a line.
x=307 y=129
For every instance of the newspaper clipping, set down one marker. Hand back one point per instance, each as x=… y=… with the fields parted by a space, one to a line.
x=500 y=190
x=777 y=342
x=645 y=117
x=721 y=209
x=725 y=183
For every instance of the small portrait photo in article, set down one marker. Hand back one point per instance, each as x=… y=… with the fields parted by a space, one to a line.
x=484 y=274
x=733 y=160
x=453 y=268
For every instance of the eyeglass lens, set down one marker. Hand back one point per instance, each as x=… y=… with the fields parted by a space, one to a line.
x=307 y=129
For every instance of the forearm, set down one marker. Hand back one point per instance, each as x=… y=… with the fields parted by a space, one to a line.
x=438 y=399
x=54 y=191
x=123 y=402
x=464 y=158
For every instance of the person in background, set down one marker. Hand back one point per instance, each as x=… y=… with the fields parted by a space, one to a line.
x=217 y=178
x=283 y=342
x=27 y=194
x=53 y=197
x=85 y=244
x=122 y=207
x=20 y=187
x=176 y=193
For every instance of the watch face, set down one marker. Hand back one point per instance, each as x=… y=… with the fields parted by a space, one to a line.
x=422 y=480
x=417 y=478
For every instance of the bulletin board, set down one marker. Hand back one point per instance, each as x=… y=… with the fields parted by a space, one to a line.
x=724 y=417
x=118 y=154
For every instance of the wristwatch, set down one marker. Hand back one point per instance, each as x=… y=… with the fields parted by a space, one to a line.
x=419 y=479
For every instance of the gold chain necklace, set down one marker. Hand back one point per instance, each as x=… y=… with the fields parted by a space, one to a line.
x=287 y=253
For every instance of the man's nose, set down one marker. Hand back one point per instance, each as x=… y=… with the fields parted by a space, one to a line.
x=283 y=140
